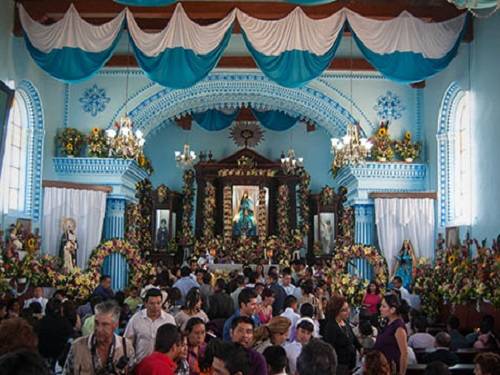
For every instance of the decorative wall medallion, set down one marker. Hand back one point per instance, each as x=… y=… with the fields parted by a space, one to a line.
x=389 y=106
x=94 y=100
x=247 y=133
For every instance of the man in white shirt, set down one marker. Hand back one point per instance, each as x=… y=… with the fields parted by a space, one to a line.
x=291 y=306
x=142 y=327
x=286 y=283
x=398 y=285
x=304 y=333
x=37 y=297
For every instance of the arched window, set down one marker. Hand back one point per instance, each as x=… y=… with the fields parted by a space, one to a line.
x=454 y=159
x=13 y=177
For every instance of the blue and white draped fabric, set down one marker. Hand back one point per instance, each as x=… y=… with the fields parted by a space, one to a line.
x=145 y=3
x=215 y=119
x=71 y=49
x=476 y=4
x=184 y=52
x=293 y=50
x=275 y=120
x=407 y=49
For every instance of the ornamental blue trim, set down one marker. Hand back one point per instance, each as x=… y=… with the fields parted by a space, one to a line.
x=223 y=90
x=34 y=159
x=446 y=152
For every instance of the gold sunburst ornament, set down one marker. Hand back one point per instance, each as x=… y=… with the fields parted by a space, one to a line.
x=247 y=133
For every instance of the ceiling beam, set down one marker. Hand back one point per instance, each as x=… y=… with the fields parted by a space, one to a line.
x=205 y=12
x=247 y=62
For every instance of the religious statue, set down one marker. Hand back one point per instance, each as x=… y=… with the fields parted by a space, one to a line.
x=327 y=236
x=244 y=223
x=162 y=236
x=405 y=264
x=14 y=243
x=69 y=244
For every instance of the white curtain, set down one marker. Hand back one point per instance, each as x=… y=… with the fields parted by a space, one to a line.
x=71 y=31
x=86 y=207
x=405 y=219
x=294 y=32
x=180 y=32
x=407 y=33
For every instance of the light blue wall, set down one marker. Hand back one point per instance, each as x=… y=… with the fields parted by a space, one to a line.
x=476 y=67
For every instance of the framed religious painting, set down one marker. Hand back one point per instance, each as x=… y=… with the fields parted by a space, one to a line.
x=166 y=208
x=324 y=231
x=162 y=231
x=247 y=209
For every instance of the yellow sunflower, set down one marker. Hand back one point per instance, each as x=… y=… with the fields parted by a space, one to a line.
x=408 y=136
x=452 y=259
x=382 y=132
x=96 y=131
x=69 y=147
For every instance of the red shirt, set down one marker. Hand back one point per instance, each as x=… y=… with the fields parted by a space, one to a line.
x=156 y=364
x=372 y=300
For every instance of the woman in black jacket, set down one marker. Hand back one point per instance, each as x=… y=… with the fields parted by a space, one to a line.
x=339 y=334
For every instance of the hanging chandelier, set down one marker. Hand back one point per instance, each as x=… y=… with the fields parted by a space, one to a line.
x=350 y=150
x=123 y=142
x=186 y=158
x=290 y=163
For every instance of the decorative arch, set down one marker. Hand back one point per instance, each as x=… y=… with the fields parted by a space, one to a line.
x=446 y=151
x=242 y=90
x=34 y=159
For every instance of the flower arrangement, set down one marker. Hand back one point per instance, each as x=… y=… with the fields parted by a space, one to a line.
x=406 y=149
x=326 y=196
x=71 y=142
x=262 y=218
x=187 y=208
x=382 y=144
x=144 y=163
x=77 y=285
x=209 y=211
x=227 y=213
x=305 y=181
x=346 y=253
x=282 y=211
x=97 y=145
x=139 y=269
x=350 y=286
x=139 y=218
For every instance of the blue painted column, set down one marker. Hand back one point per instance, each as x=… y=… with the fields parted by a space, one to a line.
x=115 y=264
x=364 y=233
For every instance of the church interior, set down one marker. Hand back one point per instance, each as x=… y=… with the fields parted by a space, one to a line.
x=344 y=143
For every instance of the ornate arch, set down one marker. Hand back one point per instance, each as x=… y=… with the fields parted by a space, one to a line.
x=36 y=131
x=446 y=151
x=221 y=90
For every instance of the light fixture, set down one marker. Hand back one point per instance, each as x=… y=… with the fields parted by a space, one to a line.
x=123 y=142
x=186 y=158
x=350 y=150
x=290 y=163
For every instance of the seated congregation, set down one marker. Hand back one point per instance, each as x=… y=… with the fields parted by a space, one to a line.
x=287 y=321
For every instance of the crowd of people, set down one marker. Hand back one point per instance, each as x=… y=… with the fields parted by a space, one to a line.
x=276 y=322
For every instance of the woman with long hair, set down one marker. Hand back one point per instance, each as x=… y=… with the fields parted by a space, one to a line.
x=196 y=333
x=191 y=309
x=374 y=363
x=372 y=298
x=392 y=340
x=265 y=308
x=339 y=334
x=273 y=333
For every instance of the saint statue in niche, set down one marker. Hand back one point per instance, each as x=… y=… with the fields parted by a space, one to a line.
x=69 y=245
x=327 y=236
x=244 y=223
x=405 y=264
x=162 y=235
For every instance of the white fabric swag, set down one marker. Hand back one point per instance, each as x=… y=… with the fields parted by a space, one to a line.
x=405 y=219
x=86 y=207
x=180 y=32
x=294 y=32
x=71 y=31
x=407 y=33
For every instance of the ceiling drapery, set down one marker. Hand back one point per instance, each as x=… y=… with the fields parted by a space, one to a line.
x=291 y=51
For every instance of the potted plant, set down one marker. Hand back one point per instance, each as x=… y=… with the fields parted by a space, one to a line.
x=97 y=145
x=407 y=150
x=71 y=142
x=382 y=145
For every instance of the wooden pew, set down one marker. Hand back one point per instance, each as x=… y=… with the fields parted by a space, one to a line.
x=460 y=369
